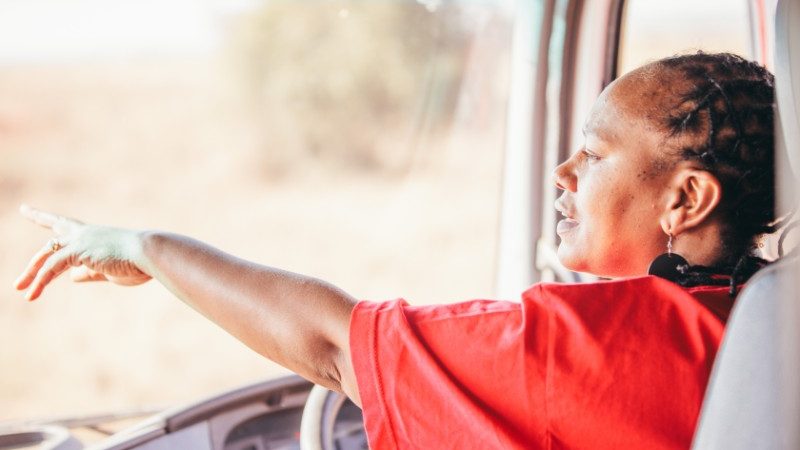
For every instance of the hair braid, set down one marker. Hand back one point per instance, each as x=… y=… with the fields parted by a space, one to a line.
x=723 y=118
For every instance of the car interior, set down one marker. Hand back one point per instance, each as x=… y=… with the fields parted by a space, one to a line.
x=564 y=53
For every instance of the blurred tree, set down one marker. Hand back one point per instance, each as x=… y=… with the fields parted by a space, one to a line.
x=359 y=83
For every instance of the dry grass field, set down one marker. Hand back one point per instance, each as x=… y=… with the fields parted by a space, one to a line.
x=167 y=145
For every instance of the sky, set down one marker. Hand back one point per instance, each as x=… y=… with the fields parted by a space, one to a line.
x=69 y=30
x=33 y=31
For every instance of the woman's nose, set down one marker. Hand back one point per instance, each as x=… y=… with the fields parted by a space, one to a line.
x=564 y=177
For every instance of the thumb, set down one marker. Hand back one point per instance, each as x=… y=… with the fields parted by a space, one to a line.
x=82 y=273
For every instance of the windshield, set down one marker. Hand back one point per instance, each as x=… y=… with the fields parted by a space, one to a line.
x=357 y=141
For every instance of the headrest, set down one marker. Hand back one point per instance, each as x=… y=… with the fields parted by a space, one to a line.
x=787 y=79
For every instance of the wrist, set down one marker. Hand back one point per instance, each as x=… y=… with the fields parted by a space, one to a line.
x=143 y=245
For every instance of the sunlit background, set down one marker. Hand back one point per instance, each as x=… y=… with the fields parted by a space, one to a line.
x=357 y=141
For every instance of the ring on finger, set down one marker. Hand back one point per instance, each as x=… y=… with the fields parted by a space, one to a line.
x=55 y=245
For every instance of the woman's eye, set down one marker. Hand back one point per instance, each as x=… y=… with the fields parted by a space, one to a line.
x=589 y=155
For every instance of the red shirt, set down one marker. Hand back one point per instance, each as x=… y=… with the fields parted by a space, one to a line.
x=609 y=365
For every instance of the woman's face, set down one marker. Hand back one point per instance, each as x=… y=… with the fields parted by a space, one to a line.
x=614 y=187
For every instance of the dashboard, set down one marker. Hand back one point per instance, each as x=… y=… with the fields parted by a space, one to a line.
x=273 y=414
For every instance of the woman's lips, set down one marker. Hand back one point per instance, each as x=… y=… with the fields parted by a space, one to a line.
x=565 y=225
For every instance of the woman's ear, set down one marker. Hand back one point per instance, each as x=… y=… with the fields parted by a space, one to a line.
x=694 y=197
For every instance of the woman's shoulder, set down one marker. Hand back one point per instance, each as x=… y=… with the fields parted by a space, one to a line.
x=649 y=294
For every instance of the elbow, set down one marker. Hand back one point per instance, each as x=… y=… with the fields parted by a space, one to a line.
x=341 y=376
x=335 y=371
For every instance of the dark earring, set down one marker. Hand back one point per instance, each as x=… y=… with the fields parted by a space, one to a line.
x=668 y=265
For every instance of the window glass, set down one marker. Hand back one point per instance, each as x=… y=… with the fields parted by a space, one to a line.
x=653 y=29
x=357 y=141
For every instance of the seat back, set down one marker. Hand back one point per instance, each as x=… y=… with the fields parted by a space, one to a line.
x=753 y=398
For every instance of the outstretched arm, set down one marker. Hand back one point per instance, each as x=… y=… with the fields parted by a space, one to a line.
x=299 y=322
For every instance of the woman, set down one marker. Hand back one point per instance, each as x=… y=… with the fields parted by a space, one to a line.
x=678 y=159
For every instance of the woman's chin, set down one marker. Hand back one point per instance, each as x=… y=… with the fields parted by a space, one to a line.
x=570 y=258
x=575 y=260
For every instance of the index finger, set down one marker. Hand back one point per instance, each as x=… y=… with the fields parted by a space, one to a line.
x=43 y=218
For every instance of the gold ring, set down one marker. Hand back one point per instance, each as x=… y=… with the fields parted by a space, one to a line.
x=55 y=245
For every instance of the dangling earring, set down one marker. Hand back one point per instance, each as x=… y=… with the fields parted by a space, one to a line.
x=668 y=265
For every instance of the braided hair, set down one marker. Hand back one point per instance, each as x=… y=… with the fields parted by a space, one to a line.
x=723 y=118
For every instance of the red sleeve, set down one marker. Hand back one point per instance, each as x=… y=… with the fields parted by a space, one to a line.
x=607 y=365
x=451 y=376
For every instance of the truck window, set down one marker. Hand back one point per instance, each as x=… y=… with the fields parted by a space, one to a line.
x=653 y=29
